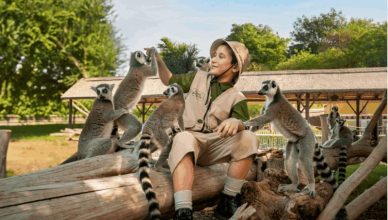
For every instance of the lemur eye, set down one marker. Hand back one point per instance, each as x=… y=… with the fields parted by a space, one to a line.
x=265 y=87
x=98 y=92
x=138 y=54
x=105 y=91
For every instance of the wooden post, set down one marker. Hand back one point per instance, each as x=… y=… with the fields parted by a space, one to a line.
x=358 y=114
x=143 y=112
x=324 y=127
x=4 y=140
x=307 y=106
x=70 y=113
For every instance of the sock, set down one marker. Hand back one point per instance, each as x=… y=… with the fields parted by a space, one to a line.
x=232 y=186
x=183 y=199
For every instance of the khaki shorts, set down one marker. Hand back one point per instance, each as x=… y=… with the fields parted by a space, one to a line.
x=210 y=148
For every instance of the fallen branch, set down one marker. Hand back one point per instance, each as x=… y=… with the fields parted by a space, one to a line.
x=366 y=199
x=353 y=181
x=119 y=163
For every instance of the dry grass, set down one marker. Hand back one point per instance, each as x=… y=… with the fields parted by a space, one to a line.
x=26 y=156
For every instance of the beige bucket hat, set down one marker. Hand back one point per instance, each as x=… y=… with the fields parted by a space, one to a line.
x=239 y=50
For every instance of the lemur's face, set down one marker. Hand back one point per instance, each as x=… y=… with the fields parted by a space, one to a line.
x=268 y=88
x=203 y=63
x=104 y=91
x=334 y=109
x=171 y=90
x=340 y=121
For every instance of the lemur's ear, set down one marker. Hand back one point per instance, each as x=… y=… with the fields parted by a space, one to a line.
x=93 y=88
x=273 y=84
x=111 y=86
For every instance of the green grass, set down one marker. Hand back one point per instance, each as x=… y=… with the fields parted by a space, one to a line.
x=378 y=172
x=36 y=132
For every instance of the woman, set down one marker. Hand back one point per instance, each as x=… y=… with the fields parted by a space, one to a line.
x=214 y=131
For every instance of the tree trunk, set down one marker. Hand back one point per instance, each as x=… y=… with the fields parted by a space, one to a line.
x=119 y=163
x=366 y=199
x=5 y=135
x=115 y=197
x=353 y=181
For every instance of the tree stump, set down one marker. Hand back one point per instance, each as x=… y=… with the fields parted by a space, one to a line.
x=5 y=135
x=270 y=204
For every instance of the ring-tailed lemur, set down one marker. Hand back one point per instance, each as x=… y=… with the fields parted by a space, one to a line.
x=203 y=63
x=129 y=91
x=323 y=169
x=157 y=133
x=96 y=137
x=334 y=114
x=301 y=140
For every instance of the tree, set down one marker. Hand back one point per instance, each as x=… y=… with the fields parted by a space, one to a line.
x=310 y=33
x=360 y=43
x=370 y=48
x=47 y=45
x=266 y=48
x=179 y=57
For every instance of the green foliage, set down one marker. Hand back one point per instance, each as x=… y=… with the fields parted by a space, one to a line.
x=331 y=58
x=377 y=173
x=179 y=57
x=35 y=131
x=360 y=43
x=266 y=48
x=370 y=48
x=47 y=45
x=310 y=33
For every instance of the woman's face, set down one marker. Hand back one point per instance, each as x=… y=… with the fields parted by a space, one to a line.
x=221 y=61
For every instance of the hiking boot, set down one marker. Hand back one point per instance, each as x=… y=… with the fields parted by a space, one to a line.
x=227 y=206
x=183 y=214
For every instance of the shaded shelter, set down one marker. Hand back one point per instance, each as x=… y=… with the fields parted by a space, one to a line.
x=303 y=87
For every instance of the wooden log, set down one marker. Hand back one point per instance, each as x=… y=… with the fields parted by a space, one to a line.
x=119 y=163
x=5 y=135
x=366 y=199
x=346 y=188
x=117 y=197
x=270 y=204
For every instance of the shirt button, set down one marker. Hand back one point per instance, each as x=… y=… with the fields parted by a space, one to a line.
x=200 y=121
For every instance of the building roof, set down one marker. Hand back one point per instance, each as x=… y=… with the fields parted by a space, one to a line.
x=322 y=85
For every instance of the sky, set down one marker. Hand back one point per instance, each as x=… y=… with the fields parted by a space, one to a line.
x=142 y=23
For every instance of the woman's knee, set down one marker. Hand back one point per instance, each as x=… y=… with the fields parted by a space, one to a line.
x=248 y=139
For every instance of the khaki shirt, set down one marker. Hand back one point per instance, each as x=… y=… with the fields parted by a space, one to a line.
x=202 y=113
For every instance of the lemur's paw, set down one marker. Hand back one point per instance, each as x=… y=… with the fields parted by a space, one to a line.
x=288 y=187
x=308 y=191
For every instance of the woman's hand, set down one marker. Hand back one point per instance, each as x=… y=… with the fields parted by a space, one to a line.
x=229 y=127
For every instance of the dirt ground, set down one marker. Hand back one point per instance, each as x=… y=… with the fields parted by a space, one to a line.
x=32 y=155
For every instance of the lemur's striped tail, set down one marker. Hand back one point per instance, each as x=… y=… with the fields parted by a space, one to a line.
x=144 y=170
x=322 y=167
x=343 y=161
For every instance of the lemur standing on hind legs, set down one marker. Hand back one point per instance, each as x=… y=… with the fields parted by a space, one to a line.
x=157 y=132
x=301 y=140
x=97 y=136
x=129 y=92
